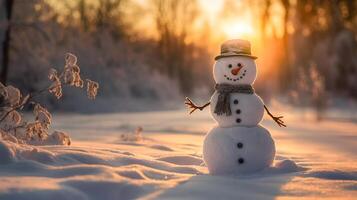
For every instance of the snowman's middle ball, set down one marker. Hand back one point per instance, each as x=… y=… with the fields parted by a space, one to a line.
x=239 y=150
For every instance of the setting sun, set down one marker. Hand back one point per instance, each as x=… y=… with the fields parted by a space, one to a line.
x=238 y=29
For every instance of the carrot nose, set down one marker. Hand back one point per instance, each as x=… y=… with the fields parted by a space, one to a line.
x=235 y=71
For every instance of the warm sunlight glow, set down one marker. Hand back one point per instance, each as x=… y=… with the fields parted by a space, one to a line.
x=238 y=30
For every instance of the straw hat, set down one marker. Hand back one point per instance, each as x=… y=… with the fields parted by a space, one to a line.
x=235 y=47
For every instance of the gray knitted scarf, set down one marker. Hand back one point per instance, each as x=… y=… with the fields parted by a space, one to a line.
x=224 y=93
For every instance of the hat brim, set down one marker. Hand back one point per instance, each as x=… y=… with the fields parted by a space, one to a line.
x=234 y=54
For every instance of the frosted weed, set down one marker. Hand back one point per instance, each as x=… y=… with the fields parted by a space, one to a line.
x=12 y=126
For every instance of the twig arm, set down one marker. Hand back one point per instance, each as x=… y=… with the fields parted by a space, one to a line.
x=278 y=120
x=193 y=106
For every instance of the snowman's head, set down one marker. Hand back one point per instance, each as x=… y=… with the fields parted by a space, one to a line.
x=235 y=70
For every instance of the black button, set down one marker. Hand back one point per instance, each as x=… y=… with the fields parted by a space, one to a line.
x=230 y=65
x=238 y=120
x=239 y=145
x=235 y=101
x=240 y=160
x=238 y=111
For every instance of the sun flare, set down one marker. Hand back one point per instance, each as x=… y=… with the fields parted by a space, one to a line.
x=238 y=29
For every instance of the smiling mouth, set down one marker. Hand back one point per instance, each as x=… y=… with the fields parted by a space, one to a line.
x=236 y=79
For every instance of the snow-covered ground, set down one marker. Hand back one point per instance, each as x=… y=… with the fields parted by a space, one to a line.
x=167 y=162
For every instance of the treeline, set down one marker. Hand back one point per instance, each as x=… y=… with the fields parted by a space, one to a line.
x=103 y=32
x=321 y=35
x=316 y=43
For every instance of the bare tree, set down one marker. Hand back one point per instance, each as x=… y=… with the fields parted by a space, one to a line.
x=6 y=43
x=174 y=20
x=265 y=17
x=285 y=72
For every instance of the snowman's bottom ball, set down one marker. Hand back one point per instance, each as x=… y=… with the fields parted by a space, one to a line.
x=240 y=150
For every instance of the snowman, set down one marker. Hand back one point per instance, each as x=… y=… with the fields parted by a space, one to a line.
x=239 y=144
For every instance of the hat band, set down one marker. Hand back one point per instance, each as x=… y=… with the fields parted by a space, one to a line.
x=237 y=52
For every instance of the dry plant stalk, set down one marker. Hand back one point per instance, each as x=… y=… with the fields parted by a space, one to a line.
x=13 y=128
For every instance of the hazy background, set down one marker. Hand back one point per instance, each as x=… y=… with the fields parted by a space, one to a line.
x=149 y=54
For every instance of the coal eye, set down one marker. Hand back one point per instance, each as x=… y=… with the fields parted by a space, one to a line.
x=230 y=65
x=239 y=65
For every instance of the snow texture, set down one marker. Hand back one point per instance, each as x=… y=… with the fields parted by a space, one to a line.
x=312 y=161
